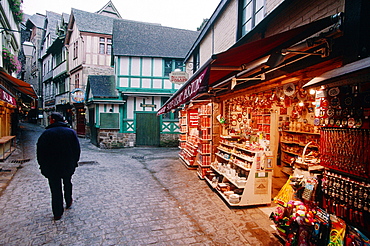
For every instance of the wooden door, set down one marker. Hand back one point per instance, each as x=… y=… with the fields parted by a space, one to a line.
x=147 y=129
x=93 y=129
x=80 y=120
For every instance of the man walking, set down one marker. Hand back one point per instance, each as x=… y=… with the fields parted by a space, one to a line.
x=58 y=152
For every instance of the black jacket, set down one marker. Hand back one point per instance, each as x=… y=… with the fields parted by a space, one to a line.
x=58 y=150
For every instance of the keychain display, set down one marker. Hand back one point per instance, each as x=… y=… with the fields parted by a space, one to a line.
x=346 y=150
x=346 y=198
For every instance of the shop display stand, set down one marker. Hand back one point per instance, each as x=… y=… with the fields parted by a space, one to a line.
x=205 y=140
x=7 y=146
x=263 y=120
x=293 y=145
x=242 y=171
x=188 y=140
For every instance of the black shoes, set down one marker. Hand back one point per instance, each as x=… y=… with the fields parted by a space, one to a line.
x=67 y=207
x=57 y=217
x=69 y=204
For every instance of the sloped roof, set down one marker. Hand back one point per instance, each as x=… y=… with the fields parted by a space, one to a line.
x=36 y=20
x=131 y=38
x=109 y=10
x=53 y=21
x=102 y=86
x=93 y=22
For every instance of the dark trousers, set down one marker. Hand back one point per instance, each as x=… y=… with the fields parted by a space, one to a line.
x=55 y=184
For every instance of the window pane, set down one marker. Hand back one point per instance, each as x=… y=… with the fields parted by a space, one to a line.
x=259 y=17
x=246 y=2
x=179 y=64
x=102 y=40
x=247 y=13
x=259 y=4
x=247 y=27
x=109 y=49
x=176 y=113
x=167 y=67
x=101 y=48
x=109 y=40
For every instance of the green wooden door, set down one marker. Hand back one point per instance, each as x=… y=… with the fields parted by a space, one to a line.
x=147 y=129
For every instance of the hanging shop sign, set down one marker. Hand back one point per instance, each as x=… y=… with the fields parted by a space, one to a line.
x=179 y=77
x=185 y=93
x=78 y=95
x=7 y=97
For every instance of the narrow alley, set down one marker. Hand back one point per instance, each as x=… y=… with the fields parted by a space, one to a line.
x=132 y=196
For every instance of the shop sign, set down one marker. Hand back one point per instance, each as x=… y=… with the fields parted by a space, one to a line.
x=186 y=93
x=193 y=117
x=148 y=105
x=61 y=100
x=78 y=95
x=7 y=97
x=261 y=183
x=179 y=77
x=50 y=102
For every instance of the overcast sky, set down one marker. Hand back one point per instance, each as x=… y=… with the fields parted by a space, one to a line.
x=188 y=14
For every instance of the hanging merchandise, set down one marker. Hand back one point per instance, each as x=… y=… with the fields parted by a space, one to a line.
x=342 y=107
x=346 y=150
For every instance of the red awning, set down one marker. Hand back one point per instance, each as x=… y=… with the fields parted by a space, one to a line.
x=19 y=85
x=226 y=64
x=246 y=53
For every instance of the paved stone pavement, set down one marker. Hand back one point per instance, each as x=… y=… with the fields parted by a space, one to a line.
x=133 y=196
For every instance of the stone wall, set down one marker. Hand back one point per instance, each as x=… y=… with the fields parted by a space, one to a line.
x=169 y=140
x=111 y=139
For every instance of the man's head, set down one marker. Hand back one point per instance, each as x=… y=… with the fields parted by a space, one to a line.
x=55 y=117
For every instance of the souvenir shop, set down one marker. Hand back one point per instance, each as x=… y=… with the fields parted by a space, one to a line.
x=305 y=119
x=316 y=133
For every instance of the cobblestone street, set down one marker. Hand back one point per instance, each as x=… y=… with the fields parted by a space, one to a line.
x=133 y=196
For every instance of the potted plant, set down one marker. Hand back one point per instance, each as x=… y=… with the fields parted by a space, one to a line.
x=10 y=61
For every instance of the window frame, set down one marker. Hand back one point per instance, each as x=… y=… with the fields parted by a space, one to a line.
x=75 y=49
x=173 y=64
x=77 y=80
x=253 y=18
x=105 y=46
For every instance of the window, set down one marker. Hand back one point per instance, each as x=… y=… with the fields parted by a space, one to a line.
x=105 y=46
x=196 y=59
x=58 y=59
x=109 y=46
x=75 y=50
x=77 y=81
x=62 y=86
x=167 y=115
x=179 y=64
x=172 y=64
x=101 y=48
x=167 y=67
x=251 y=13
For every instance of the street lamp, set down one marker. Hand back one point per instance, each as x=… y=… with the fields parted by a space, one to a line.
x=28 y=48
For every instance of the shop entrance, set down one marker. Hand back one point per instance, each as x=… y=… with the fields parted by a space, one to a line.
x=80 y=120
x=147 y=129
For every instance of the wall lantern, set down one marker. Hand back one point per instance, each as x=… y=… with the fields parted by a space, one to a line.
x=28 y=48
